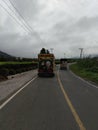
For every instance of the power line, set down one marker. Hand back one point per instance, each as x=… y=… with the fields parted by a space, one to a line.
x=13 y=17
x=24 y=24
x=19 y=19
x=25 y=21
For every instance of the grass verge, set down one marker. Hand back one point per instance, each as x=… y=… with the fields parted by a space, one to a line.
x=82 y=72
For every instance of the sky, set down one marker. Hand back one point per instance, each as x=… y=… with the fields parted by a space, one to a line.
x=61 y=26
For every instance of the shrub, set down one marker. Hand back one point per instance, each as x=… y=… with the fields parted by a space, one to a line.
x=18 y=71
x=23 y=69
x=4 y=72
x=12 y=72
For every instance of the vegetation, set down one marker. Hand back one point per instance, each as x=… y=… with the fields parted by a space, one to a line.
x=57 y=61
x=86 y=68
x=4 y=72
x=10 y=65
x=14 y=62
x=11 y=68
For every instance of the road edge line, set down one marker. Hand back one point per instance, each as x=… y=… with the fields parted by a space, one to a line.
x=17 y=92
x=85 y=81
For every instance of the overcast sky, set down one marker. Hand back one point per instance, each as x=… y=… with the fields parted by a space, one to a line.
x=64 y=25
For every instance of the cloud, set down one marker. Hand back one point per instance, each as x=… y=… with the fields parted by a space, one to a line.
x=28 y=9
x=64 y=25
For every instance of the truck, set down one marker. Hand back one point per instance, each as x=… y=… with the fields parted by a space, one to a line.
x=46 y=64
x=63 y=64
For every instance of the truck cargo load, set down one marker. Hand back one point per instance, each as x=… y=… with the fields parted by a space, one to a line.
x=46 y=64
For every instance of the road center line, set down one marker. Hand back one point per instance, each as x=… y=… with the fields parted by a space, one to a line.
x=9 y=99
x=76 y=116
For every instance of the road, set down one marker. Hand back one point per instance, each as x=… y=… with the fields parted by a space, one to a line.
x=61 y=103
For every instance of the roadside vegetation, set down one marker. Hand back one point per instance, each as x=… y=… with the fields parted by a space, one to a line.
x=15 y=66
x=86 y=68
x=13 y=62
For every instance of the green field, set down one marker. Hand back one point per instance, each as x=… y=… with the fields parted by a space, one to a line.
x=4 y=63
x=82 y=72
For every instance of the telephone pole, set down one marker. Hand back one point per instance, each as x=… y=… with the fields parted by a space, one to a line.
x=51 y=49
x=81 y=53
x=64 y=55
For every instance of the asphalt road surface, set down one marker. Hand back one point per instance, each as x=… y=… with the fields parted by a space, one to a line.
x=63 y=102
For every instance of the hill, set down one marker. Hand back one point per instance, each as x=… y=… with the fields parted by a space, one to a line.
x=5 y=55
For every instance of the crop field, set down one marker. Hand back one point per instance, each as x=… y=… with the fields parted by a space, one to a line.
x=11 y=68
x=4 y=63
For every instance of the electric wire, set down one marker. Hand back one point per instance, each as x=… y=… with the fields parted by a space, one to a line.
x=25 y=21
x=12 y=17
x=19 y=19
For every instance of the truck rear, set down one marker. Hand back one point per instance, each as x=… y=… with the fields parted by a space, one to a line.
x=46 y=64
x=63 y=64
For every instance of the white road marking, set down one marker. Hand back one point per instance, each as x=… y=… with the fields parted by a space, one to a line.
x=9 y=99
x=83 y=80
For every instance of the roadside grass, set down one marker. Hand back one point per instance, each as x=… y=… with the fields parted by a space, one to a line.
x=82 y=72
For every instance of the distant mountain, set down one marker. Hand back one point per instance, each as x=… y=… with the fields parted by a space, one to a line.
x=5 y=55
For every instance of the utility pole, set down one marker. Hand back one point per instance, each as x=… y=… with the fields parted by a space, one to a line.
x=64 y=55
x=81 y=52
x=51 y=49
